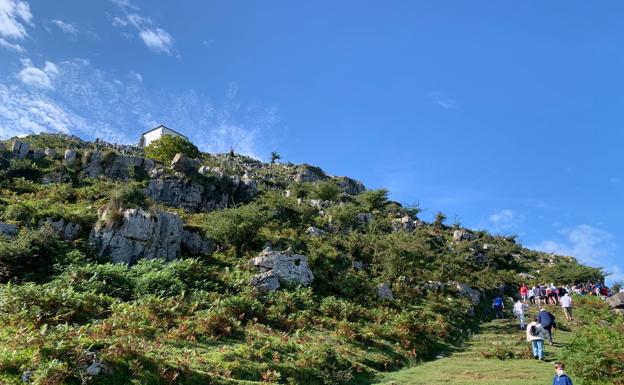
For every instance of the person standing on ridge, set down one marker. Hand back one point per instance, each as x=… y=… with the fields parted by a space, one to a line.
x=535 y=335
x=547 y=321
x=560 y=377
x=566 y=304
x=519 y=310
x=498 y=306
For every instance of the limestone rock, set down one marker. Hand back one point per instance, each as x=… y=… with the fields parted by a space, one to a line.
x=184 y=164
x=266 y=282
x=50 y=152
x=350 y=186
x=307 y=173
x=384 y=292
x=140 y=235
x=616 y=301
x=38 y=154
x=463 y=235
x=467 y=291
x=8 y=230
x=195 y=244
x=404 y=223
x=66 y=230
x=20 y=149
x=291 y=269
x=176 y=191
x=70 y=156
x=315 y=231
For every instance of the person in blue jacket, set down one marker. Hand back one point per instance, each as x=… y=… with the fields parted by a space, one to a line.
x=560 y=377
x=547 y=320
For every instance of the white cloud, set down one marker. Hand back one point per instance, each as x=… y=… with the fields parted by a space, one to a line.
x=91 y=103
x=14 y=16
x=65 y=27
x=36 y=77
x=443 y=100
x=158 y=40
x=588 y=244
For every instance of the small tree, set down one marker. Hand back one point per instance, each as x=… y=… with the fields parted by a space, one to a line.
x=167 y=146
x=326 y=190
x=440 y=218
x=373 y=199
x=275 y=156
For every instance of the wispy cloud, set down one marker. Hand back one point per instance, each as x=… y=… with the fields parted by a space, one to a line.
x=443 y=100
x=65 y=26
x=90 y=103
x=156 y=39
x=38 y=77
x=15 y=15
x=588 y=244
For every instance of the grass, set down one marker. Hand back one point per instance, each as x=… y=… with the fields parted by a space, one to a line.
x=471 y=365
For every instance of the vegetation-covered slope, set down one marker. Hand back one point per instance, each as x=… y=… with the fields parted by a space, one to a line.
x=67 y=316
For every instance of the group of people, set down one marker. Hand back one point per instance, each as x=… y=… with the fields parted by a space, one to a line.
x=540 y=329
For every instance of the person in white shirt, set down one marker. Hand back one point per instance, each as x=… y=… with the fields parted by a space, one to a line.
x=519 y=309
x=566 y=304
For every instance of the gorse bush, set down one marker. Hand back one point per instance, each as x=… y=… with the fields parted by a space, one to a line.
x=326 y=191
x=166 y=148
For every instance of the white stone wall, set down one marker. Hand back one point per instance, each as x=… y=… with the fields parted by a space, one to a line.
x=156 y=134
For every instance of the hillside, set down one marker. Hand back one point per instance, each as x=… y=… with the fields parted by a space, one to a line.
x=119 y=266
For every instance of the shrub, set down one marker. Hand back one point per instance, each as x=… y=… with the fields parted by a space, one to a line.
x=326 y=190
x=372 y=200
x=23 y=168
x=345 y=216
x=115 y=280
x=166 y=148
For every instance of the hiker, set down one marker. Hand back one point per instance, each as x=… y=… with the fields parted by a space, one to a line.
x=498 y=306
x=524 y=292
x=560 y=377
x=566 y=304
x=518 y=310
x=531 y=295
x=535 y=335
x=547 y=320
x=539 y=293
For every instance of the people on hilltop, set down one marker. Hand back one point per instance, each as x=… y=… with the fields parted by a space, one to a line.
x=535 y=334
x=561 y=378
x=547 y=320
x=566 y=304
x=498 y=306
x=519 y=310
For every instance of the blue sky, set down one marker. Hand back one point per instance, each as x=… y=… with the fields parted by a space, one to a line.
x=507 y=116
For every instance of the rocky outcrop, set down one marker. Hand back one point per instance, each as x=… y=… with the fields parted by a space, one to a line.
x=70 y=156
x=184 y=164
x=314 y=231
x=463 y=235
x=384 y=292
x=289 y=268
x=350 y=186
x=139 y=235
x=195 y=244
x=404 y=223
x=616 y=301
x=66 y=230
x=467 y=291
x=194 y=194
x=8 y=230
x=307 y=173
x=115 y=166
x=20 y=149
x=266 y=282
x=50 y=152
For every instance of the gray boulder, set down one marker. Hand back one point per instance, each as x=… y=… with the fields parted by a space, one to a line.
x=195 y=244
x=384 y=292
x=50 y=152
x=70 y=156
x=350 y=186
x=467 y=291
x=404 y=223
x=8 y=230
x=20 y=149
x=140 y=235
x=307 y=173
x=184 y=164
x=115 y=166
x=314 y=231
x=176 y=191
x=291 y=269
x=38 y=154
x=463 y=235
x=266 y=282
x=66 y=230
x=616 y=301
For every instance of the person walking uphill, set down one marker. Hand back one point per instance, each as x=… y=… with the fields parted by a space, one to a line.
x=547 y=320
x=535 y=335
x=566 y=304
x=560 y=377
x=519 y=310
x=498 y=306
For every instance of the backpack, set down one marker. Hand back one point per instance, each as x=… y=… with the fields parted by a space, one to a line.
x=498 y=302
x=533 y=331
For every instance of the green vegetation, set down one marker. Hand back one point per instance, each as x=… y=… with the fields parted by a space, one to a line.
x=165 y=148
x=197 y=320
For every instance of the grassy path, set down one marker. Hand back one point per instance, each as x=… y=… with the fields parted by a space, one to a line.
x=477 y=362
